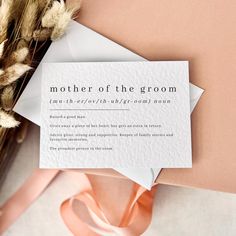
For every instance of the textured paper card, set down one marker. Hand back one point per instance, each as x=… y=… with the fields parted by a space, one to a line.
x=115 y=114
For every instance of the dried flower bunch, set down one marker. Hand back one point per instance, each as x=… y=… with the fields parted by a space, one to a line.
x=26 y=29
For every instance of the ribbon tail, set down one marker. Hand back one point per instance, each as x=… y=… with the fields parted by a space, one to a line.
x=25 y=196
x=135 y=221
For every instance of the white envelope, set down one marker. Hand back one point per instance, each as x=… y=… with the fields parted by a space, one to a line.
x=81 y=44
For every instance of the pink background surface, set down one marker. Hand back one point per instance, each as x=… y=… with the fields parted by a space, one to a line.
x=204 y=33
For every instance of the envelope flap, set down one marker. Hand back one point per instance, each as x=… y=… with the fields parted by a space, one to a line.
x=86 y=45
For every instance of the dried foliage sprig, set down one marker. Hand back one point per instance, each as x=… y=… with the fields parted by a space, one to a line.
x=7 y=97
x=13 y=73
x=22 y=25
x=7 y=120
x=5 y=16
x=26 y=29
x=58 y=17
x=29 y=19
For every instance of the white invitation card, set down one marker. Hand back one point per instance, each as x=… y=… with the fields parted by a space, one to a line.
x=115 y=114
x=97 y=49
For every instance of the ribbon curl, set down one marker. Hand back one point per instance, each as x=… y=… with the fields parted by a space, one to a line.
x=93 y=221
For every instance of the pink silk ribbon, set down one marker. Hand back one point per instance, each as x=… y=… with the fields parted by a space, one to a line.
x=92 y=221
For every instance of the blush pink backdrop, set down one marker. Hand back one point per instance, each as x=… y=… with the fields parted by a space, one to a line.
x=203 y=32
